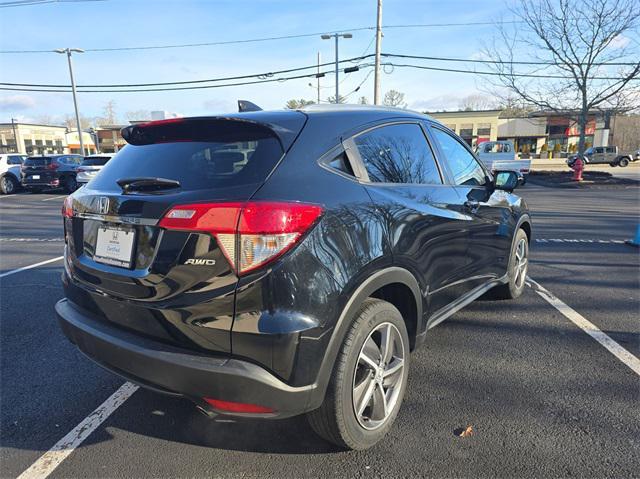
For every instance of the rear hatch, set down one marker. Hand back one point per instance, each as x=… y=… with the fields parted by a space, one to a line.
x=38 y=169
x=167 y=283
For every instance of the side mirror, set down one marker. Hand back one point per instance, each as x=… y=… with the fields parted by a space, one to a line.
x=506 y=180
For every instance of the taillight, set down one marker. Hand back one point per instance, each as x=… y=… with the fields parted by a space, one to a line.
x=67 y=207
x=238 y=407
x=250 y=234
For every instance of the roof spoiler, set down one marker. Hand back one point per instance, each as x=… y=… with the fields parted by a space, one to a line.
x=244 y=105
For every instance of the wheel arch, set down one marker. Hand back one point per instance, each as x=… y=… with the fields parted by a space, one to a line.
x=393 y=284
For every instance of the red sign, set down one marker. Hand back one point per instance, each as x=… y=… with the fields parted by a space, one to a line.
x=574 y=130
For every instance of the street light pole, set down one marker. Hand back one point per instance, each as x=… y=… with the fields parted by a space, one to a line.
x=376 y=81
x=337 y=36
x=68 y=51
x=15 y=135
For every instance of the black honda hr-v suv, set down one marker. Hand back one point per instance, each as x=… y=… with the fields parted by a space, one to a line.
x=270 y=264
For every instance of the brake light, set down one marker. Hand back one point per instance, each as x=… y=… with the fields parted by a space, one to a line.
x=238 y=407
x=67 y=207
x=250 y=234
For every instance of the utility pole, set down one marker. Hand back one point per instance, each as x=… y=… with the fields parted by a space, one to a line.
x=15 y=135
x=336 y=36
x=376 y=81
x=318 y=78
x=68 y=51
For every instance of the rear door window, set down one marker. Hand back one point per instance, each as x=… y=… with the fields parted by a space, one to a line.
x=398 y=153
x=195 y=165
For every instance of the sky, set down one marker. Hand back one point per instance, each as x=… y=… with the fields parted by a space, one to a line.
x=126 y=23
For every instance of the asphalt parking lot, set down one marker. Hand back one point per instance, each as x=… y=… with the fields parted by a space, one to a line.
x=544 y=397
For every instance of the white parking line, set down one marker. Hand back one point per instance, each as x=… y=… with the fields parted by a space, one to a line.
x=24 y=268
x=51 y=459
x=7 y=196
x=579 y=240
x=588 y=327
x=55 y=198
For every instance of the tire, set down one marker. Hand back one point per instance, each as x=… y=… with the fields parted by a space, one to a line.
x=517 y=271
x=623 y=162
x=8 y=185
x=354 y=379
x=70 y=184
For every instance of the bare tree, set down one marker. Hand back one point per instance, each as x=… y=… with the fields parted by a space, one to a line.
x=477 y=102
x=363 y=100
x=394 y=98
x=70 y=122
x=109 y=116
x=584 y=56
x=295 y=104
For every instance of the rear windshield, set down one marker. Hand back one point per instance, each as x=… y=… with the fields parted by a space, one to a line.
x=195 y=164
x=95 y=161
x=37 y=161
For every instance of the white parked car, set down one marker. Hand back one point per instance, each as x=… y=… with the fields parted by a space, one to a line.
x=90 y=166
x=10 y=172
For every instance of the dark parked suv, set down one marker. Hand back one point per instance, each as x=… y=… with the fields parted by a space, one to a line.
x=270 y=264
x=50 y=171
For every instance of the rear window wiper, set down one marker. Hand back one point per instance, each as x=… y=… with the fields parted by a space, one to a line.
x=146 y=184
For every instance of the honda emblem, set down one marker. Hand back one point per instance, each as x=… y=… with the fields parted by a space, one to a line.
x=103 y=205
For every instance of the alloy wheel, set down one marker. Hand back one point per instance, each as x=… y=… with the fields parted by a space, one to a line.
x=7 y=185
x=378 y=376
x=521 y=264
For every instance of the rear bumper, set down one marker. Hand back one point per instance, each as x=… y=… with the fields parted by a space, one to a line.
x=177 y=371
x=44 y=183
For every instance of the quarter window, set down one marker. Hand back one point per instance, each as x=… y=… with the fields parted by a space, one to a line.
x=341 y=163
x=398 y=154
x=465 y=168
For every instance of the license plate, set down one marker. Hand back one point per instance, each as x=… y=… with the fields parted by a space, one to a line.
x=114 y=246
x=35 y=177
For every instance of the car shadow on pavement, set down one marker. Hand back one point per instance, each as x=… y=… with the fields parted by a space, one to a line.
x=176 y=420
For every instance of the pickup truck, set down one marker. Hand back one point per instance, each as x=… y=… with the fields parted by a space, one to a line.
x=606 y=155
x=501 y=156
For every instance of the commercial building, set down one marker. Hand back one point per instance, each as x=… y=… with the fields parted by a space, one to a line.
x=32 y=139
x=473 y=126
x=528 y=135
x=109 y=138
x=543 y=131
x=73 y=143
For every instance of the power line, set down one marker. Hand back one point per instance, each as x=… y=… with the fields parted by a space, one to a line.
x=358 y=60
x=264 y=75
x=475 y=72
x=255 y=40
x=27 y=3
x=500 y=62
x=264 y=78
x=200 y=87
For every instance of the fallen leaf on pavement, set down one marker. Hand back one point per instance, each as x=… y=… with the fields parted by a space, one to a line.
x=467 y=432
